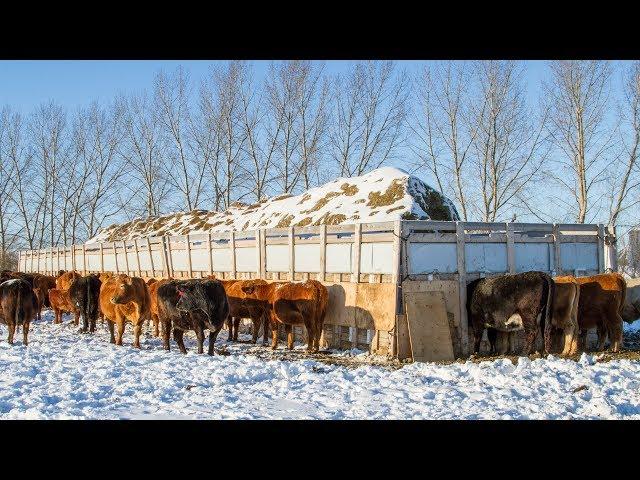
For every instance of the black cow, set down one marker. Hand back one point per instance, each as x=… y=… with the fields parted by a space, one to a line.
x=508 y=303
x=85 y=294
x=18 y=304
x=192 y=305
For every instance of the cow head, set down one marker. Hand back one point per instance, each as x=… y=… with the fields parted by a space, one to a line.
x=124 y=290
x=185 y=301
x=630 y=312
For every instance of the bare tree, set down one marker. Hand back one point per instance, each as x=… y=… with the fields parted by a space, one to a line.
x=577 y=98
x=371 y=107
x=143 y=157
x=221 y=105
x=442 y=140
x=509 y=142
x=624 y=184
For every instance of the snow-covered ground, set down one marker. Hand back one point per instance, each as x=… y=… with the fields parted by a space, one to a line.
x=63 y=374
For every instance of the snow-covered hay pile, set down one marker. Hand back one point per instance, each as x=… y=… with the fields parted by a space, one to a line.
x=63 y=374
x=385 y=194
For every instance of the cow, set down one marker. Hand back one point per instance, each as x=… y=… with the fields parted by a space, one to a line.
x=85 y=295
x=17 y=307
x=602 y=299
x=151 y=281
x=153 y=295
x=293 y=303
x=125 y=299
x=192 y=305
x=564 y=317
x=64 y=281
x=509 y=303
x=104 y=276
x=60 y=302
x=631 y=308
x=242 y=306
x=41 y=286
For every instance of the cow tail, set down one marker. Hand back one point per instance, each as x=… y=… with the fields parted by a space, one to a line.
x=19 y=314
x=87 y=303
x=624 y=295
x=547 y=311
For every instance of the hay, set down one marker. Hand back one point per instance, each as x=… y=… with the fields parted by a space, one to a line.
x=391 y=195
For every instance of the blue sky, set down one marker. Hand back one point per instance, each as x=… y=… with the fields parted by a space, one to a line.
x=73 y=83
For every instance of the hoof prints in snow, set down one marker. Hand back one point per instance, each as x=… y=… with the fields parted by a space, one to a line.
x=62 y=374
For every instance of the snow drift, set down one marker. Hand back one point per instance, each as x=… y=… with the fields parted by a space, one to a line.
x=385 y=194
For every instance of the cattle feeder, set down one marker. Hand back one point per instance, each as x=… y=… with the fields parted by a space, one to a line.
x=395 y=288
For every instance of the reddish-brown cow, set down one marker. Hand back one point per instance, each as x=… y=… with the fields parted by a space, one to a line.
x=61 y=303
x=125 y=299
x=602 y=298
x=293 y=303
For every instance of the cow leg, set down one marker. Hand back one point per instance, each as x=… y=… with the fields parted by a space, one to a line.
x=92 y=325
x=76 y=319
x=156 y=325
x=530 y=338
x=111 y=329
x=289 y=331
x=178 y=337
x=569 y=340
x=166 y=333
x=137 y=330
x=200 y=336
x=615 y=334
x=311 y=336
x=120 y=332
x=255 y=329
x=492 y=335
x=236 y=328
x=274 y=335
x=477 y=338
x=85 y=323
x=229 y=323
x=25 y=333
x=265 y=329
x=12 y=331
x=602 y=336
x=212 y=340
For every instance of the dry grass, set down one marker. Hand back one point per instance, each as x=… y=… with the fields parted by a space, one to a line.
x=348 y=189
x=394 y=209
x=362 y=200
x=322 y=202
x=390 y=196
x=285 y=221
x=304 y=222
x=304 y=198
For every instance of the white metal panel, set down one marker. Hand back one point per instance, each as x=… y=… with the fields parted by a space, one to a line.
x=246 y=259
x=579 y=256
x=109 y=262
x=485 y=257
x=179 y=258
x=430 y=257
x=339 y=258
x=145 y=263
x=307 y=258
x=93 y=262
x=199 y=260
x=221 y=260
x=534 y=256
x=376 y=258
x=277 y=258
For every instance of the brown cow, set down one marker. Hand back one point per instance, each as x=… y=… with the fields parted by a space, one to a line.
x=41 y=286
x=64 y=281
x=564 y=316
x=125 y=299
x=17 y=307
x=153 y=308
x=293 y=303
x=602 y=298
x=242 y=305
x=150 y=281
x=61 y=303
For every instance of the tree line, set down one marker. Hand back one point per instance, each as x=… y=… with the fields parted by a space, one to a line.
x=468 y=128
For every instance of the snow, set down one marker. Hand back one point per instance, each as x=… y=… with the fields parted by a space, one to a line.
x=64 y=374
x=344 y=200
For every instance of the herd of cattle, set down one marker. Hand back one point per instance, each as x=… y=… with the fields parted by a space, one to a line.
x=562 y=308
x=171 y=305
